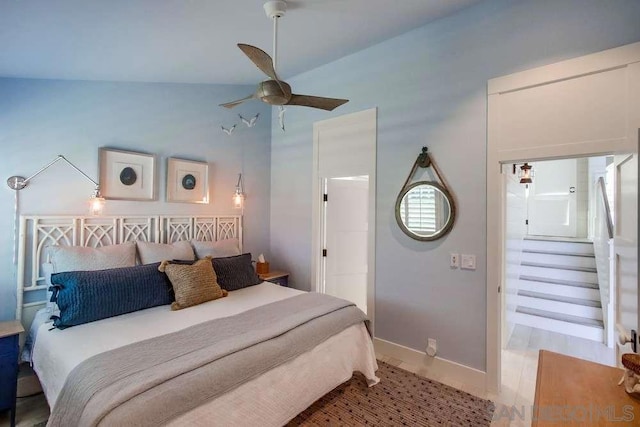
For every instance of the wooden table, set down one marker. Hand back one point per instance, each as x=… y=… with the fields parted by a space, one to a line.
x=576 y=392
x=278 y=277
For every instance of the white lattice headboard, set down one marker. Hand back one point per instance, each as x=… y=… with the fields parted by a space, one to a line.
x=38 y=232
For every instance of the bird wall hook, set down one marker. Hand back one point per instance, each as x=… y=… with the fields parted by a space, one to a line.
x=251 y=122
x=230 y=130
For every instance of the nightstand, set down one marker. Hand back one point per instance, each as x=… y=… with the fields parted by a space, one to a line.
x=9 y=333
x=278 y=277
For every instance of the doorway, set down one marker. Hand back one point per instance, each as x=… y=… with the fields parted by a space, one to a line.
x=575 y=108
x=345 y=224
x=344 y=200
x=559 y=287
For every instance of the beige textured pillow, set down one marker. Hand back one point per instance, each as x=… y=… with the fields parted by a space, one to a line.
x=192 y=284
x=156 y=252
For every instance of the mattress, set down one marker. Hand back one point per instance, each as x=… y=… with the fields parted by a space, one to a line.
x=57 y=352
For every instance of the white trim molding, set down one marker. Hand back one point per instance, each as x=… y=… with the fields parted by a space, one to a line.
x=435 y=368
x=595 y=63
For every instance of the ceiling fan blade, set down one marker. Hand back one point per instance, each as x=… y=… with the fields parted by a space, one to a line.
x=261 y=58
x=328 y=104
x=237 y=102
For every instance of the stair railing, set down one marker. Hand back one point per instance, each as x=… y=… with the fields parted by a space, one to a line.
x=603 y=247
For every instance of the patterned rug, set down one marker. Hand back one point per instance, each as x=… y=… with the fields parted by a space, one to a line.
x=400 y=399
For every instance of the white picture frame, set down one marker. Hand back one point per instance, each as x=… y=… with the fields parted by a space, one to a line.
x=127 y=175
x=187 y=181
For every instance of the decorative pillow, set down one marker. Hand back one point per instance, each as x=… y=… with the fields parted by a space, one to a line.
x=235 y=272
x=192 y=284
x=219 y=249
x=86 y=296
x=82 y=258
x=156 y=252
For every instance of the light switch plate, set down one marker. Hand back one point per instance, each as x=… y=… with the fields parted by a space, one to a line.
x=468 y=262
x=454 y=261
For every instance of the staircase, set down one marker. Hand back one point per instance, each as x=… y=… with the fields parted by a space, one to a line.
x=558 y=288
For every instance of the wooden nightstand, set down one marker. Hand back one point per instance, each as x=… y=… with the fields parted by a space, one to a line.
x=9 y=333
x=278 y=277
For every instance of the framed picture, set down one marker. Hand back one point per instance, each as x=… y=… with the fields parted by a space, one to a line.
x=187 y=181
x=127 y=175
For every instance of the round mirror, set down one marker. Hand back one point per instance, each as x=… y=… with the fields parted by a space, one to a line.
x=425 y=210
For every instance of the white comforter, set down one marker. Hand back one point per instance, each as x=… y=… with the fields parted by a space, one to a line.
x=57 y=352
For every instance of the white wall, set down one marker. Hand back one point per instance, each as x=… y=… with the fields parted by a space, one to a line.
x=515 y=231
x=430 y=89
x=582 y=197
x=597 y=167
x=40 y=119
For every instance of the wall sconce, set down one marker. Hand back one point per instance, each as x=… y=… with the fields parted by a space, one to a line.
x=96 y=201
x=526 y=174
x=239 y=196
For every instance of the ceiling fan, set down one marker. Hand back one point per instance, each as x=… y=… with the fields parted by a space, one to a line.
x=275 y=91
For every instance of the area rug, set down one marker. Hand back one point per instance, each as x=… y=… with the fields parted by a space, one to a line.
x=400 y=399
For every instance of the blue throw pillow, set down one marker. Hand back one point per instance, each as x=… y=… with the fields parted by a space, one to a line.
x=235 y=272
x=86 y=296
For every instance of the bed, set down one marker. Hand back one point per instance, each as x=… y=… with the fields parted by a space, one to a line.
x=265 y=395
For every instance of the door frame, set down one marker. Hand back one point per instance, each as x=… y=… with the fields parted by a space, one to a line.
x=622 y=57
x=318 y=205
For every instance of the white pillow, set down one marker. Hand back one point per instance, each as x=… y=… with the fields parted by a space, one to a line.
x=47 y=271
x=82 y=258
x=219 y=249
x=157 y=252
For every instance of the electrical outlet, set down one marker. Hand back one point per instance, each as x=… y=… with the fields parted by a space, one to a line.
x=468 y=262
x=454 y=261
x=432 y=347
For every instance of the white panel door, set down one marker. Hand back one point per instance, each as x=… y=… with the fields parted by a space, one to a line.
x=552 y=209
x=344 y=162
x=346 y=229
x=626 y=242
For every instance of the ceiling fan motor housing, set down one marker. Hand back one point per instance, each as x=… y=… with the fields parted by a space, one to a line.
x=275 y=8
x=269 y=91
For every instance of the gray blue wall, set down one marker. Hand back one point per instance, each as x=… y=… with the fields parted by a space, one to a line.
x=430 y=89
x=40 y=119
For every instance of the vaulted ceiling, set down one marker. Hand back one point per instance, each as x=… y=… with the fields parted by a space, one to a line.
x=193 y=41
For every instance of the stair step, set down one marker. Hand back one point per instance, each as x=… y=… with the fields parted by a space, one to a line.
x=559 y=239
x=558 y=307
x=561 y=253
x=582 y=248
x=559 y=273
x=560 y=298
x=560 y=290
x=594 y=323
x=560 y=282
x=573 y=329
x=560 y=267
x=560 y=260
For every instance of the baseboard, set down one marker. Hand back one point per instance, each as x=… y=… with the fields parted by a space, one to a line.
x=435 y=368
